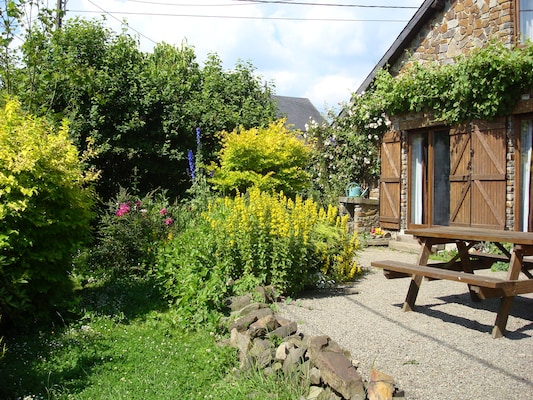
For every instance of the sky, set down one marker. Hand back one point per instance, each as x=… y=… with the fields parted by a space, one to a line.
x=318 y=49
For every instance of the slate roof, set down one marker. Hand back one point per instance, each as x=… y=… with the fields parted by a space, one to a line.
x=297 y=110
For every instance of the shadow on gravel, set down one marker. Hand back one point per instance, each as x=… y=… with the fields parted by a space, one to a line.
x=522 y=308
x=440 y=342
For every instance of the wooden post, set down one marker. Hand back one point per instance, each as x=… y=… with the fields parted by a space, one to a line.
x=515 y=266
x=416 y=280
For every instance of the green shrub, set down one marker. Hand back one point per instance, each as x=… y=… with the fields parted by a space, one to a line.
x=45 y=211
x=254 y=239
x=193 y=276
x=129 y=233
x=272 y=159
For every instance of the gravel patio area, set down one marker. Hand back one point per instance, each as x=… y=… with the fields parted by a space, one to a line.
x=443 y=350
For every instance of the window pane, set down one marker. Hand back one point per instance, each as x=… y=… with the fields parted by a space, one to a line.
x=418 y=177
x=441 y=179
x=526 y=20
x=526 y=140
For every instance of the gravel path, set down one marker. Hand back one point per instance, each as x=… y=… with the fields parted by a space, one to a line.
x=443 y=350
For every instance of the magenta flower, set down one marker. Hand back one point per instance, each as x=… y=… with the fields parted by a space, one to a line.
x=168 y=221
x=123 y=209
x=163 y=211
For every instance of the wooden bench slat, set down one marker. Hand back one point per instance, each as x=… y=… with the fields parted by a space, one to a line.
x=439 y=273
x=511 y=288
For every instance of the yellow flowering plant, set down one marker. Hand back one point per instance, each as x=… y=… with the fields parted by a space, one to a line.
x=287 y=243
x=253 y=238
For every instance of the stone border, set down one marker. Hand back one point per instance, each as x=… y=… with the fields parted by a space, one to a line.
x=273 y=344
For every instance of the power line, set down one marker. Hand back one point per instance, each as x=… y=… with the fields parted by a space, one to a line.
x=297 y=3
x=152 y=14
x=158 y=3
x=122 y=22
x=255 y=2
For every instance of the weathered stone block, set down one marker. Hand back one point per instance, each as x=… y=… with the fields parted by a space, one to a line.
x=294 y=358
x=236 y=303
x=261 y=352
x=262 y=326
x=338 y=372
x=380 y=387
x=240 y=341
x=244 y=322
x=284 y=331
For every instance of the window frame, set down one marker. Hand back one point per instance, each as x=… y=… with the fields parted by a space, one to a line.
x=429 y=200
x=517 y=25
x=518 y=175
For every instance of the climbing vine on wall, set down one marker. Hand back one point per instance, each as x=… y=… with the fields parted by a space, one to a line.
x=484 y=84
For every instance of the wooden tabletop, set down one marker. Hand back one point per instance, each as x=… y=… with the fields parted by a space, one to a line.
x=475 y=234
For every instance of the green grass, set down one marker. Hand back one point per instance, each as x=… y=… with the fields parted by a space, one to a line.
x=447 y=255
x=128 y=345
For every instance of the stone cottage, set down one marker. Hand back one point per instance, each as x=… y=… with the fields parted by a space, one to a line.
x=477 y=174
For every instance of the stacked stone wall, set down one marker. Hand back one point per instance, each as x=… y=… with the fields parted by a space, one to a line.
x=460 y=27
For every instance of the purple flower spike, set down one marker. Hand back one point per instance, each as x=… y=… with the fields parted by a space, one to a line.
x=198 y=135
x=190 y=157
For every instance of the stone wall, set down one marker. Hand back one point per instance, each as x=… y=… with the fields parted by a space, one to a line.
x=273 y=345
x=364 y=213
x=460 y=27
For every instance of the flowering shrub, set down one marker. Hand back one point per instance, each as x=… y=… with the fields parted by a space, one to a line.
x=346 y=150
x=130 y=231
x=255 y=239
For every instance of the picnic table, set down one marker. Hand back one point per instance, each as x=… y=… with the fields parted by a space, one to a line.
x=463 y=266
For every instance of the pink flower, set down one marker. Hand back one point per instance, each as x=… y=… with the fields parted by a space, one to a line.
x=123 y=209
x=163 y=211
x=168 y=221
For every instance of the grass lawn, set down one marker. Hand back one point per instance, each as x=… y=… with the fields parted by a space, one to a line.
x=127 y=344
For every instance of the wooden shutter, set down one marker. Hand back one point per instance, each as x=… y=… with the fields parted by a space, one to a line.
x=488 y=175
x=478 y=175
x=460 y=183
x=389 y=193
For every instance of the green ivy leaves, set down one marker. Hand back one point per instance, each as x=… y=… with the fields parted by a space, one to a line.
x=482 y=85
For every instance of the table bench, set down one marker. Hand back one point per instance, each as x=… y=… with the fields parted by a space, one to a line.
x=462 y=266
x=502 y=287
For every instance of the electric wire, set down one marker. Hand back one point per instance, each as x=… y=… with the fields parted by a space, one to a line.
x=123 y=22
x=155 y=14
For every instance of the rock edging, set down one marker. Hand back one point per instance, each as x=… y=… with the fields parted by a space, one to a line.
x=273 y=344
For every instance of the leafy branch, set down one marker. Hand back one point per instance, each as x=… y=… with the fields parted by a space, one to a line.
x=482 y=85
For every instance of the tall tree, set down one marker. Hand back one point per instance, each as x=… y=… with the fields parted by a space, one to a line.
x=139 y=113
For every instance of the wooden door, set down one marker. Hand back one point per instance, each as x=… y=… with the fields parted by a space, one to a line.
x=488 y=175
x=478 y=175
x=460 y=183
x=390 y=183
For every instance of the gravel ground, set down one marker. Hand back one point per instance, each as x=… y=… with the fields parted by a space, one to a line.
x=443 y=350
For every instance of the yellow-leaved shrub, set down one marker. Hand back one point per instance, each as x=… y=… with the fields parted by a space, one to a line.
x=271 y=158
x=45 y=211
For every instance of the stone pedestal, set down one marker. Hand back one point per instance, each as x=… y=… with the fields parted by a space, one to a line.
x=364 y=213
